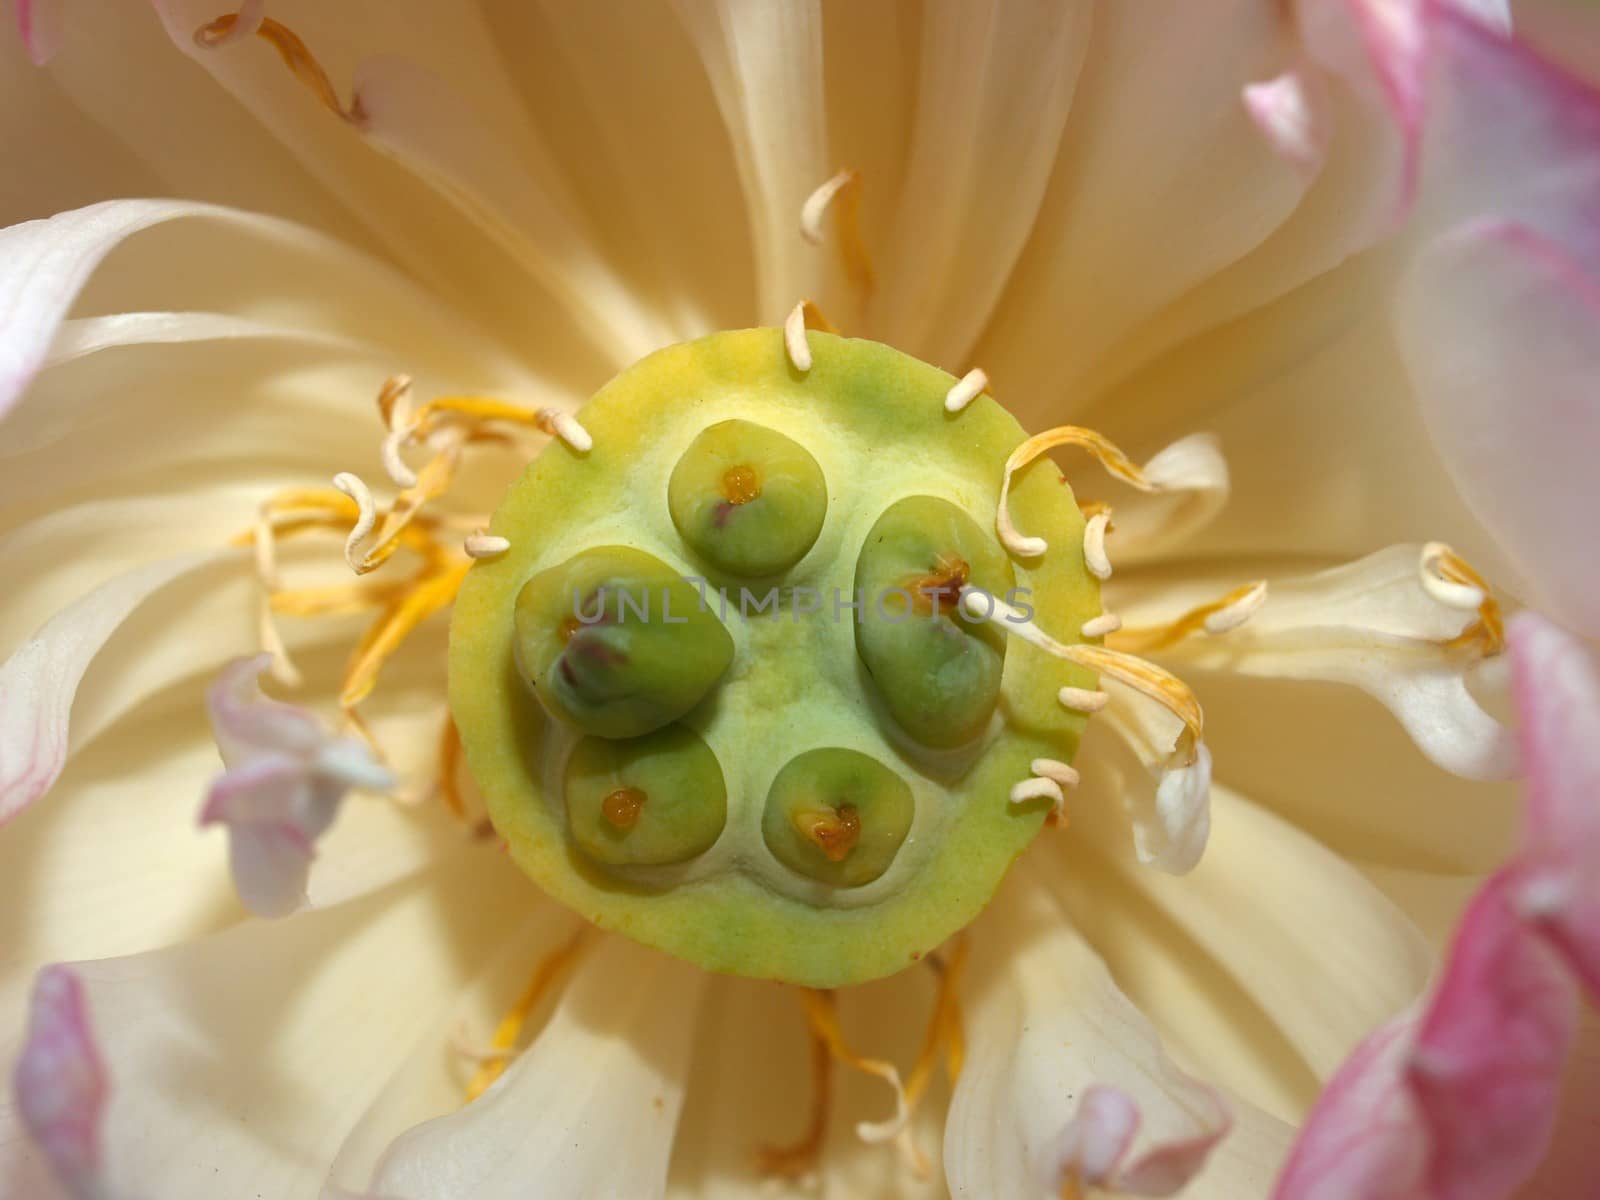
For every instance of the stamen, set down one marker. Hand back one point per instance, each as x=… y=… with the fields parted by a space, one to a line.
x=394 y=402
x=823 y=1015
x=805 y=315
x=1218 y=617
x=1144 y=677
x=294 y=52
x=367 y=517
x=1037 y=788
x=267 y=633
x=1062 y=773
x=431 y=592
x=1094 y=546
x=965 y=390
x=843 y=193
x=564 y=426
x=1100 y=626
x=943 y=1032
x=393 y=464
x=1108 y=455
x=447 y=779
x=1083 y=700
x=799 y=1159
x=485 y=545
x=1451 y=581
x=510 y=1028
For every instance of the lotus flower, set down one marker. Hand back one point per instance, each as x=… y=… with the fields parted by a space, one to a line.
x=1326 y=270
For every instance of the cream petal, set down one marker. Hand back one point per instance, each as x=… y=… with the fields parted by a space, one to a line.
x=39 y=680
x=420 y=120
x=765 y=66
x=1375 y=625
x=1250 y=905
x=1161 y=181
x=607 y=1076
x=1494 y=310
x=1045 y=1022
x=238 y=1062
x=972 y=189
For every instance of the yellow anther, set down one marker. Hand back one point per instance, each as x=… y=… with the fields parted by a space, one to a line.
x=842 y=195
x=503 y=1043
x=296 y=56
x=1235 y=608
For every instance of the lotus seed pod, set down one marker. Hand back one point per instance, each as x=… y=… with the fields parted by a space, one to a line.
x=616 y=643
x=859 y=872
x=645 y=801
x=747 y=499
x=837 y=816
x=937 y=671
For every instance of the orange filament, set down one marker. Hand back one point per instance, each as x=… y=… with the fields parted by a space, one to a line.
x=428 y=593
x=835 y=831
x=816 y=319
x=740 y=484
x=799 y=1157
x=296 y=56
x=621 y=808
x=852 y=246
x=503 y=1044
x=1158 y=684
x=1144 y=640
x=447 y=780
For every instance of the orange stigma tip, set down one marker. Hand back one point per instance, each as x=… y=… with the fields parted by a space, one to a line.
x=835 y=831
x=621 y=807
x=567 y=628
x=940 y=589
x=740 y=484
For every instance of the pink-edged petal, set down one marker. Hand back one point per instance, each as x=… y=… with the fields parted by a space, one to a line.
x=1292 y=113
x=1487 y=1064
x=1093 y=1148
x=1459 y=1102
x=61 y=1084
x=39 y=23
x=286 y=778
x=1500 y=330
x=37 y=683
x=1556 y=684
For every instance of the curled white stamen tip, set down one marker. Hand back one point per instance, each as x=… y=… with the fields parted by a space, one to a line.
x=965 y=390
x=873 y=1132
x=816 y=206
x=566 y=428
x=485 y=545
x=1094 y=546
x=1037 y=788
x=794 y=338
x=1082 y=699
x=1100 y=626
x=1461 y=596
x=394 y=465
x=394 y=402
x=366 y=515
x=1062 y=773
x=1224 y=620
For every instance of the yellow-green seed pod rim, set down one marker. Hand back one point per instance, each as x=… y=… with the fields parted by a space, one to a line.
x=875 y=420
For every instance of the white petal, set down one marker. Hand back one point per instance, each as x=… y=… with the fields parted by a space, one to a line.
x=239 y=1061
x=605 y=1078
x=972 y=187
x=1046 y=1024
x=1160 y=182
x=765 y=64
x=1292 y=113
x=1166 y=797
x=38 y=682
